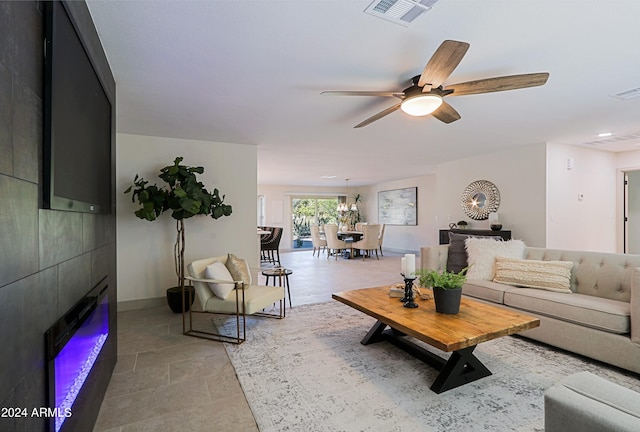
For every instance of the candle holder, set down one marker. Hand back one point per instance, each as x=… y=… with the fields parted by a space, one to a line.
x=408 y=293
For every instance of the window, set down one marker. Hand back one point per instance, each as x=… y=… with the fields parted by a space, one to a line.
x=309 y=211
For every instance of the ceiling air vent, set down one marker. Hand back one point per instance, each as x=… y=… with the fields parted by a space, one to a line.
x=401 y=12
x=627 y=94
x=633 y=136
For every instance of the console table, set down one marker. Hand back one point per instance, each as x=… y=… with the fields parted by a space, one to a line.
x=444 y=234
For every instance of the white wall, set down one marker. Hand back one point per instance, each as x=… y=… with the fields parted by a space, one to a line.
x=628 y=160
x=145 y=249
x=519 y=175
x=581 y=201
x=407 y=238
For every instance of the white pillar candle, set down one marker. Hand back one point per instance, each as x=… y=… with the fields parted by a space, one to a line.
x=402 y=265
x=410 y=265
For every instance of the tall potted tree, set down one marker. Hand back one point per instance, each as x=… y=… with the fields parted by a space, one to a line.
x=185 y=197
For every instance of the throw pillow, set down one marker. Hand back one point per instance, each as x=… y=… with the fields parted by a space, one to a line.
x=457 y=258
x=546 y=275
x=483 y=253
x=239 y=269
x=217 y=270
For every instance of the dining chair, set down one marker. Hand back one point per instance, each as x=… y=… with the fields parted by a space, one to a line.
x=369 y=240
x=317 y=240
x=380 y=237
x=270 y=246
x=265 y=239
x=333 y=243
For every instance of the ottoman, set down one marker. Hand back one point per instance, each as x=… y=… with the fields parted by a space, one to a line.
x=584 y=402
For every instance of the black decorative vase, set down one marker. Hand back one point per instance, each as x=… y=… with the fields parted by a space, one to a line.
x=447 y=300
x=496 y=227
x=175 y=301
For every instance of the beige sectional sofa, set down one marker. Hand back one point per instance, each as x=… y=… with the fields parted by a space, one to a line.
x=599 y=319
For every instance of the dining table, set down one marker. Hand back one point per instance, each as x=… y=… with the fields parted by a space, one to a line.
x=351 y=237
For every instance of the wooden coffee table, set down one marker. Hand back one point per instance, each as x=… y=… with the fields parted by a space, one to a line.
x=477 y=322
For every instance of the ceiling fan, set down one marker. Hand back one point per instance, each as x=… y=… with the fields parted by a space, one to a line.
x=425 y=96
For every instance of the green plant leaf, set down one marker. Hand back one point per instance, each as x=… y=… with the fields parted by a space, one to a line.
x=179 y=192
x=190 y=205
x=446 y=280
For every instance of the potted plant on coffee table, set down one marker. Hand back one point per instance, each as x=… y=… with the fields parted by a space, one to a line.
x=185 y=197
x=447 y=288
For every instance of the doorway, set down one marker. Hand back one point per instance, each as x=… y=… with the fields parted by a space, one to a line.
x=632 y=212
x=307 y=211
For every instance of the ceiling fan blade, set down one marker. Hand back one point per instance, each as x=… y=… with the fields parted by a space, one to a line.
x=378 y=116
x=497 y=84
x=364 y=93
x=442 y=63
x=446 y=113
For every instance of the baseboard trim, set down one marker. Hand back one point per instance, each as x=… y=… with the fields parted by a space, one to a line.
x=142 y=304
x=400 y=251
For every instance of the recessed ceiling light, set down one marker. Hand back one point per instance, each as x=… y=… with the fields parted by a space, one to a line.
x=605 y=134
x=328 y=176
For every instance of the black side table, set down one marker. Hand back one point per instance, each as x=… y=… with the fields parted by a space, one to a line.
x=282 y=274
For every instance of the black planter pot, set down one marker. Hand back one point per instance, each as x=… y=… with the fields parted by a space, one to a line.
x=447 y=300
x=174 y=299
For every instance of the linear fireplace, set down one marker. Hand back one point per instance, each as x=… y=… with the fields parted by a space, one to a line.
x=73 y=346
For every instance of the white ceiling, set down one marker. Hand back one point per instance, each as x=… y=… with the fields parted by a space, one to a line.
x=251 y=72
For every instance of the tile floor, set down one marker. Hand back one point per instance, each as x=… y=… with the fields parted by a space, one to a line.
x=165 y=381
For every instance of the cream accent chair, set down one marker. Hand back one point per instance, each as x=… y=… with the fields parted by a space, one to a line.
x=318 y=242
x=334 y=244
x=369 y=240
x=359 y=226
x=245 y=299
x=380 y=237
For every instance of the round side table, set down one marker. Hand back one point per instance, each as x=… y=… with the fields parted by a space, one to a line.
x=280 y=274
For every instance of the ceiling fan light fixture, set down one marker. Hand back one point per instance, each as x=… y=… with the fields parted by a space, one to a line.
x=421 y=105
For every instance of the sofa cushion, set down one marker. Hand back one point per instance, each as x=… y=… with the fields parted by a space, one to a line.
x=485 y=290
x=546 y=275
x=596 y=312
x=457 y=257
x=457 y=254
x=598 y=274
x=483 y=253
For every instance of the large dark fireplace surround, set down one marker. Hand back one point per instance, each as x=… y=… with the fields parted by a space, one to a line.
x=78 y=176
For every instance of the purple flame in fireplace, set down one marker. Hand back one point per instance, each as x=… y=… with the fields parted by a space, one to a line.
x=73 y=363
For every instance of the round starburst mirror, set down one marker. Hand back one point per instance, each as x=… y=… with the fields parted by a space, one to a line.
x=479 y=199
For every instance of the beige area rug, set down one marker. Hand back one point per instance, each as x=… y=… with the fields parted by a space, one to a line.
x=309 y=372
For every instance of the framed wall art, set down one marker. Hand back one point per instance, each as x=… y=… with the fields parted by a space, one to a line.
x=398 y=206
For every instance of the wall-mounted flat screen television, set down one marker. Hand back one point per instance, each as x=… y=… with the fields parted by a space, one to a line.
x=77 y=121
